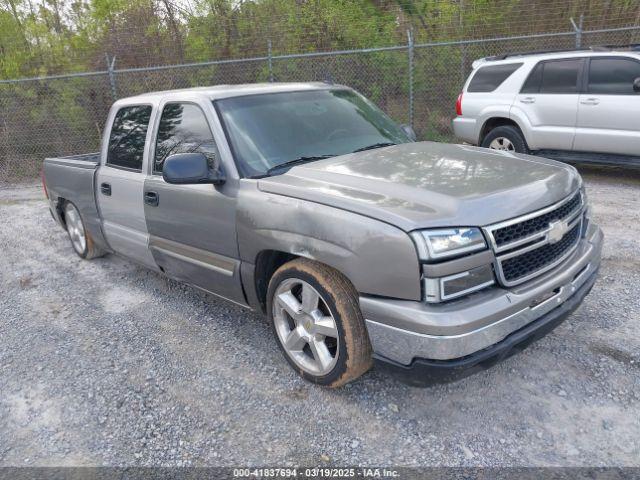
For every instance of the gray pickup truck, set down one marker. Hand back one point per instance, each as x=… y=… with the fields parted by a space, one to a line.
x=306 y=202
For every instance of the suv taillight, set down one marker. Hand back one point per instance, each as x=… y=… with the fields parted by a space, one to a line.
x=459 y=105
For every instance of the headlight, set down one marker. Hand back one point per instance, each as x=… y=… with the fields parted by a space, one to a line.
x=448 y=242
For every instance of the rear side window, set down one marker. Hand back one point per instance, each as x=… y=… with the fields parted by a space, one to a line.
x=613 y=76
x=555 y=76
x=183 y=129
x=532 y=85
x=487 y=79
x=128 y=134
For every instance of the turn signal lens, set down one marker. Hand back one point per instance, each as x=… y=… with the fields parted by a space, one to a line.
x=454 y=286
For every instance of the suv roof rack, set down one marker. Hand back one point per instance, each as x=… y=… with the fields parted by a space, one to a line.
x=634 y=47
x=537 y=52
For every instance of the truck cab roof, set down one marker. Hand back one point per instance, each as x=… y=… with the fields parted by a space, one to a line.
x=216 y=92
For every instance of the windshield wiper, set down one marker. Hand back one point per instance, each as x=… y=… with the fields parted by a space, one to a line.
x=296 y=161
x=375 y=145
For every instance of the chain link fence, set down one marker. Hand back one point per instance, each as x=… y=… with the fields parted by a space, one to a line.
x=413 y=83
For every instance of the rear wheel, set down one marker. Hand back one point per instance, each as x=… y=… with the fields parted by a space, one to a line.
x=317 y=322
x=506 y=138
x=80 y=239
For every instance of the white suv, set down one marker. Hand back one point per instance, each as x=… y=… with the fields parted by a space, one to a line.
x=573 y=106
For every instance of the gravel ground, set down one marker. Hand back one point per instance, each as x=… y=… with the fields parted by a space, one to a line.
x=106 y=363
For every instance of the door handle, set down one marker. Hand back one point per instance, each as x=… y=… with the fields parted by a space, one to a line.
x=105 y=188
x=151 y=198
x=590 y=101
x=528 y=100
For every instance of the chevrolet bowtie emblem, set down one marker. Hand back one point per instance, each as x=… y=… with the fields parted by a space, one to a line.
x=557 y=230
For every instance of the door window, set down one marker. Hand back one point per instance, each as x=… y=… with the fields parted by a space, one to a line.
x=555 y=76
x=613 y=76
x=532 y=85
x=127 y=138
x=183 y=129
x=560 y=76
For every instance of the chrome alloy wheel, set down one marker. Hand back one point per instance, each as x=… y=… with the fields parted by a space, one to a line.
x=502 y=143
x=75 y=228
x=305 y=326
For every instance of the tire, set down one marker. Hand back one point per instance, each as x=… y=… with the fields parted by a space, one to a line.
x=349 y=351
x=507 y=136
x=80 y=238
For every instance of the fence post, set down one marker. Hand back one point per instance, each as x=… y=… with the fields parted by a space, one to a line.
x=112 y=78
x=270 y=59
x=578 y=30
x=410 y=51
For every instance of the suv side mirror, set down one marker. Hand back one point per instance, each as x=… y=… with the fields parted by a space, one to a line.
x=636 y=85
x=189 y=169
x=409 y=131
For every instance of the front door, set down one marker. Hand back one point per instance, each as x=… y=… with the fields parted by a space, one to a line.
x=119 y=184
x=609 y=111
x=192 y=227
x=549 y=99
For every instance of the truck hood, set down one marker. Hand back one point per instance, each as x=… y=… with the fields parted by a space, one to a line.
x=427 y=184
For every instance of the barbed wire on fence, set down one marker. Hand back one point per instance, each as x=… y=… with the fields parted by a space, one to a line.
x=415 y=82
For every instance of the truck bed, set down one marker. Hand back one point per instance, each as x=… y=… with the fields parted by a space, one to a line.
x=72 y=179
x=85 y=160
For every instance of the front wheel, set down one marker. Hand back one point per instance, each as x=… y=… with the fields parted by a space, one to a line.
x=506 y=138
x=317 y=322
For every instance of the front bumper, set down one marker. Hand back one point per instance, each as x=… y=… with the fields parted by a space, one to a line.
x=424 y=372
x=405 y=333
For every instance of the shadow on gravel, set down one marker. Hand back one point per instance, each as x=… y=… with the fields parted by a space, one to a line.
x=616 y=354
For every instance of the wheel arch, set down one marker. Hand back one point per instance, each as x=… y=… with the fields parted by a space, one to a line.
x=59 y=206
x=494 y=122
x=266 y=263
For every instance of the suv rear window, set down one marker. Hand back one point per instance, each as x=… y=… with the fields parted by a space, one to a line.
x=554 y=76
x=487 y=79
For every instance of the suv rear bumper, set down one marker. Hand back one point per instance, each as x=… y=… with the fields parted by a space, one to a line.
x=464 y=128
x=409 y=333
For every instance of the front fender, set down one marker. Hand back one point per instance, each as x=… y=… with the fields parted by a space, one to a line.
x=377 y=258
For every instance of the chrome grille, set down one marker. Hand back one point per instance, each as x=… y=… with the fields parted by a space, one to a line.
x=510 y=233
x=518 y=267
x=533 y=244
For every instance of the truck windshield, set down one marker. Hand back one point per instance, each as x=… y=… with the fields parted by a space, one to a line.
x=269 y=130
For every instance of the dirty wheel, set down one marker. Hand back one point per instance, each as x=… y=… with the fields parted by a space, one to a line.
x=80 y=239
x=318 y=324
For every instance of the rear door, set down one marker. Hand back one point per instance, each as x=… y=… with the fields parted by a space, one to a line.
x=192 y=227
x=549 y=99
x=609 y=110
x=120 y=180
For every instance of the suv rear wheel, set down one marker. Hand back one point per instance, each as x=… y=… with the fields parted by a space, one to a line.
x=506 y=138
x=316 y=319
